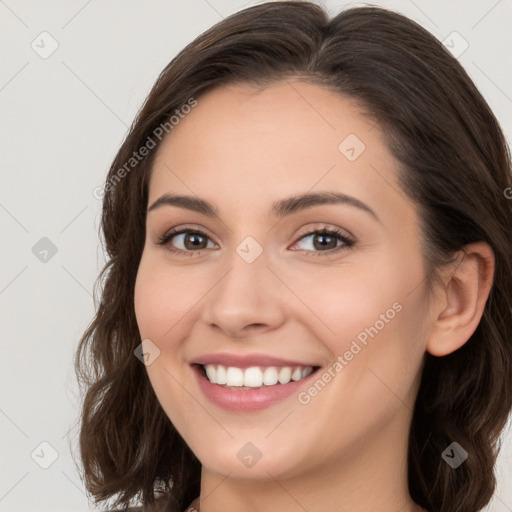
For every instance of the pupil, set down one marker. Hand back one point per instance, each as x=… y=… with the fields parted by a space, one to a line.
x=193 y=236
x=323 y=245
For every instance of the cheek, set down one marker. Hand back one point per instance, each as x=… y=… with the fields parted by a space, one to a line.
x=375 y=318
x=162 y=297
x=149 y=303
x=349 y=300
x=159 y=306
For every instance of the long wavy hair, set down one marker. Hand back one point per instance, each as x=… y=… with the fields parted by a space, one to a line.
x=454 y=164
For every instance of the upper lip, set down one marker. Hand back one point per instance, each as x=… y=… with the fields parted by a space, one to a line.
x=246 y=361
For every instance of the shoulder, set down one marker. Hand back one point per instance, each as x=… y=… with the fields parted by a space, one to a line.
x=159 y=505
x=130 y=509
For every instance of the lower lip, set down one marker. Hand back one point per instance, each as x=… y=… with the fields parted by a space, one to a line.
x=245 y=400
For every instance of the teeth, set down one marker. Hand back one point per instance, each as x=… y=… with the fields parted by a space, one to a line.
x=234 y=376
x=285 y=375
x=270 y=376
x=307 y=371
x=254 y=377
x=297 y=374
x=220 y=375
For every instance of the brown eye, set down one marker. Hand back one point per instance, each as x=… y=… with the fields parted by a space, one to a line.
x=326 y=241
x=191 y=240
x=194 y=241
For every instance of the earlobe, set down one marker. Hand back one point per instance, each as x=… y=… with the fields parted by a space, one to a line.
x=460 y=304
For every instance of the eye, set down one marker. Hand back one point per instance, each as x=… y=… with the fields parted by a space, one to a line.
x=193 y=240
x=326 y=240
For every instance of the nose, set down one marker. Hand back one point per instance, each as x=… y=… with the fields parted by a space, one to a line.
x=246 y=300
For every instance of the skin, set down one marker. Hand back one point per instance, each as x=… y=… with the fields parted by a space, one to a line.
x=346 y=450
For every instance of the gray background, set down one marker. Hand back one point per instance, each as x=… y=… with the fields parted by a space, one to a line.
x=63 y=119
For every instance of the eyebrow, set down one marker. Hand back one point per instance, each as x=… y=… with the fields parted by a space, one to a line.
x=280 y=208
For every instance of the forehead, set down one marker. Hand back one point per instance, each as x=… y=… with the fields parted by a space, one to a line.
x=307 y=118
x=251 y=146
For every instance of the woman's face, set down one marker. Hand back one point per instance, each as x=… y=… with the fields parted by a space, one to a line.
x=258 y=281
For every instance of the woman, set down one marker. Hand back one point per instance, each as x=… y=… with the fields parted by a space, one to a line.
x=307 y=304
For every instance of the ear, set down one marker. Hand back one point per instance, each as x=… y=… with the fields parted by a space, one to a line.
x=459 y=305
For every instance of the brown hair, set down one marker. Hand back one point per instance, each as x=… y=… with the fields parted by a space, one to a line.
x=454 y=164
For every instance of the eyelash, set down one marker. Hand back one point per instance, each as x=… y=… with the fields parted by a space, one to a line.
x=347 y=241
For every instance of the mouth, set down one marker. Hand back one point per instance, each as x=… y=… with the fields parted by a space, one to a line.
x=253 y=377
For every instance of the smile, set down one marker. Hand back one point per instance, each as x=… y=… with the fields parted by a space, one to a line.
x=234 y=395
x=254 y=376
